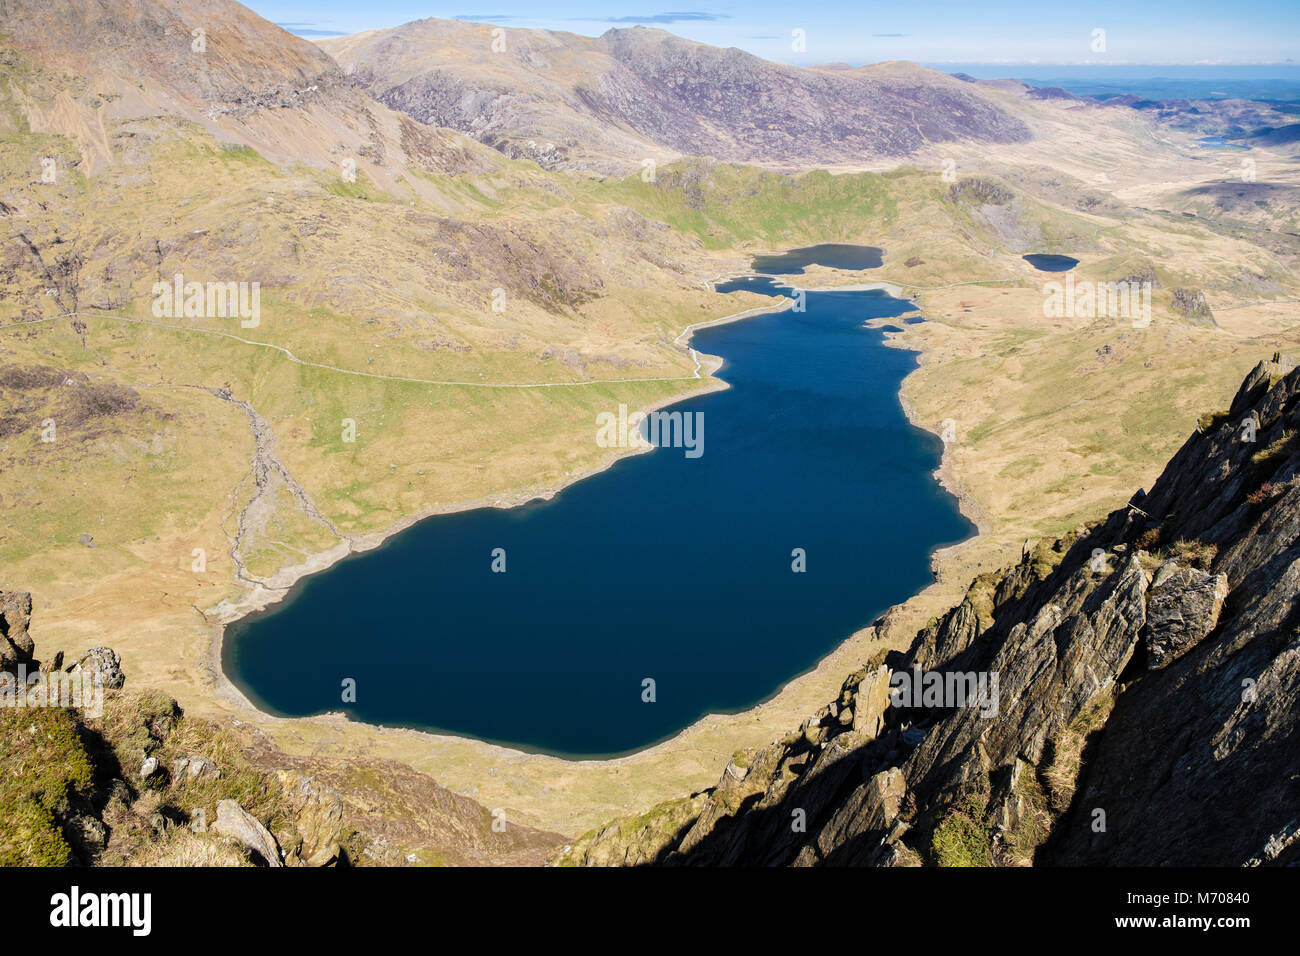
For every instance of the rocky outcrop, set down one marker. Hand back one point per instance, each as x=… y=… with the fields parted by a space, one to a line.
x=1191 y=305
x=102 y=665
x=122 y=777
x=1183 y=608
x=317 y=812
x=863 y=706
x=15 y=643
x=1138 y=677
x=980 y=191
x=99 y=666
x=237 y=824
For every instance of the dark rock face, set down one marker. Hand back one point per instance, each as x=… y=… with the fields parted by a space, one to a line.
x=980 y=191
x=1146 y=708
x=1183 y=608
x=1192 y=306
x=679 y=93
x=16 y=645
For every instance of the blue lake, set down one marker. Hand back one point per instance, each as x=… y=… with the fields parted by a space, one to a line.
x=668 y=567
x=834 y=255
x=1046 y=262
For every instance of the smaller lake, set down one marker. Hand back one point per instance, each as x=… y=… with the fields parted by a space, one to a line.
x=1045 y=262
x=833 y=255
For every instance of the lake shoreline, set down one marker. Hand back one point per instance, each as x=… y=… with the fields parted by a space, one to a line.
x=227 y=612
x=683 y=762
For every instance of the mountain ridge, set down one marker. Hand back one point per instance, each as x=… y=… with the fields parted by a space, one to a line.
x=609 y=102
x=220 y=66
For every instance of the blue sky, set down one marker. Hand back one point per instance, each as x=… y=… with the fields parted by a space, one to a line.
x=928 y=31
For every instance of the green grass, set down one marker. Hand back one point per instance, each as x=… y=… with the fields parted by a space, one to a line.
x=961 y=839
x=139 y=725
x=725 y=204
x=1063 y=762
x=42 y=765
x=1209 y=421
x=1048 y=553
x=1271 y=456
x=362 y=189
x=50 y=756
x=1195 y=553
x=1033 y=822
x=465 y=189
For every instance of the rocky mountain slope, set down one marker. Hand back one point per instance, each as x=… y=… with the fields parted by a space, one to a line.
x=614 y=100
x=118 y=778
x=216 y=64
x=1145 y=710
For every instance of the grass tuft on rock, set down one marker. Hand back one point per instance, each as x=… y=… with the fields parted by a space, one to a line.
x=961 y=839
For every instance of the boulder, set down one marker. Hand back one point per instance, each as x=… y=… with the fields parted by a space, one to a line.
x=318 y=816
x=870 y=701
x=326 y=856
x=16 y=645
x=197 y=767
x=1191 y=304
x=103 y=662
x=86 y=835
x=1182 y=608
x=235 y=822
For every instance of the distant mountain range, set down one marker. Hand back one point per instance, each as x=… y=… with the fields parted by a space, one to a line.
x=564 y=99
